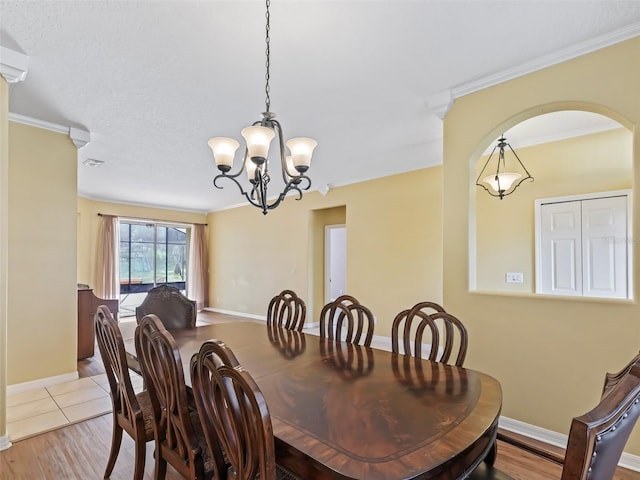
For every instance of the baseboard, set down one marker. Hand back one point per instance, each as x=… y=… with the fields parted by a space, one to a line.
x=4 y=442
x=40 y=383
x=237 y=314
x=631 y=462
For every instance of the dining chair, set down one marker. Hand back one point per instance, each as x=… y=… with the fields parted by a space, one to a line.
x=358 y=318
x=597 y=438
x=234 y=414
x=169 y=304
x=178 y=435
x=287 y=310
x=131 y=412
x=445 y=334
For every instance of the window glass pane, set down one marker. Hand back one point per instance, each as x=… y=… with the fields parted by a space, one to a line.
x=124 y=262
x=141 y=262
x=162 y=234
x=161 y=263
x=142 y=233
x=177 y=263
x=177 y=235
x=124 y=232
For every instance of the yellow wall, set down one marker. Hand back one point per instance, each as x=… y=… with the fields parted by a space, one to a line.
x=549 y=354
x=42 y=254
x=394 y=247
x=505 y=228
x=89 y=221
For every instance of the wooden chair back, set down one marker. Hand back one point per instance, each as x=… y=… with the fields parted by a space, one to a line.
x=611 y=379
x=131 y=413
x=446 y=334
x=287 y=310
x=177 y=434
x=233 y=412
x=346 y=312
x=169 y=304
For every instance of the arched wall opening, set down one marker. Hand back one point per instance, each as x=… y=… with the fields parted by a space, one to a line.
x=588 y=150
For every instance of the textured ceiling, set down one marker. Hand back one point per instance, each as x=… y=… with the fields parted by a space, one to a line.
x=153 y=81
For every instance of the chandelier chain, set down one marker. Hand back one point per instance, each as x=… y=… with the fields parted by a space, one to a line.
x=267 y=39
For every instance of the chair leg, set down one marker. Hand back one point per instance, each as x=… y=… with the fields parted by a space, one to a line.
x=141 y=451
x=116 y=440
x=160 y=471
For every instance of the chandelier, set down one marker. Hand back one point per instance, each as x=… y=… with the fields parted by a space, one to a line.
x=255 y=163
x=502 y=182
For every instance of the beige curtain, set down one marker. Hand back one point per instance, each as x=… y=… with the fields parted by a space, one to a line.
x=198 y=273
x=107 y=275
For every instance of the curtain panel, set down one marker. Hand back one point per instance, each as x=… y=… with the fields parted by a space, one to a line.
x=107 y=260
x=197 y=273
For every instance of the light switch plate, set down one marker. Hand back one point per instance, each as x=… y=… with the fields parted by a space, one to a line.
x=515 y=277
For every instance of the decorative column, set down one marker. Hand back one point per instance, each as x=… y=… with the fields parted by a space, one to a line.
x=13 y=68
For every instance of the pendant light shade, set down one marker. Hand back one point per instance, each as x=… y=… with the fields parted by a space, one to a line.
x=224 y=150
x=505 y=178
x=258 y=142
x=301 y=150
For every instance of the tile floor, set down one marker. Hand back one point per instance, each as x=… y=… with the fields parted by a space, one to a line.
x=43 y=409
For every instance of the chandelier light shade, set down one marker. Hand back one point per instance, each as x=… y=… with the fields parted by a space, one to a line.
x=255 y=162
x=502 y=182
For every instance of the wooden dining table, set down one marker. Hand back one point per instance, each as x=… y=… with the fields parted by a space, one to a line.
x=342 y=411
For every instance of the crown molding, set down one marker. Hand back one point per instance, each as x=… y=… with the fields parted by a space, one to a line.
x=440 y=103
x=13 y=65
x=78 y=136
x=563 y=55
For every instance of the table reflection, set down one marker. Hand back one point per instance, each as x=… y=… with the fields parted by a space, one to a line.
x=435 y=378
x=290 y=343
x=348 y=360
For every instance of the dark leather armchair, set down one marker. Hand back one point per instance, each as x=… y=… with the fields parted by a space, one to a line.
x=174 y=310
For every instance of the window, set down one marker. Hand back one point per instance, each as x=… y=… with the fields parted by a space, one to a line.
x=583 y=245
x=152 y=254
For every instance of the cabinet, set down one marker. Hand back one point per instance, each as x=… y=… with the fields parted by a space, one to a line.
x=88 y=303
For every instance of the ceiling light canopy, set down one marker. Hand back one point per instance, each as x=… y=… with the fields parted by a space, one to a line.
x=501 y=181
x=255 y=162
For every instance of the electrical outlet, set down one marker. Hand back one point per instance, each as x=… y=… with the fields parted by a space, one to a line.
x=515 y=277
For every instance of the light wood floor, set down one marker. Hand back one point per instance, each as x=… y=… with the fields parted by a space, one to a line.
x=80 y=451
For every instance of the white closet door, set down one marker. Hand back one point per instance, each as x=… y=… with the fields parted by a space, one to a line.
x=561 y=248
x=604 y=247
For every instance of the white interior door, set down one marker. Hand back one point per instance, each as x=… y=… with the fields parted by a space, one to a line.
x=561 y=249
x=604 y=247
x=335 y=272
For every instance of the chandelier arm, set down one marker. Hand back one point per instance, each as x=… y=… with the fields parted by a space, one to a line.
x=520 y=162
x=232 y=178
x=488 y=191
x=288 y=188
x=286 y=175
x=484 y=167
